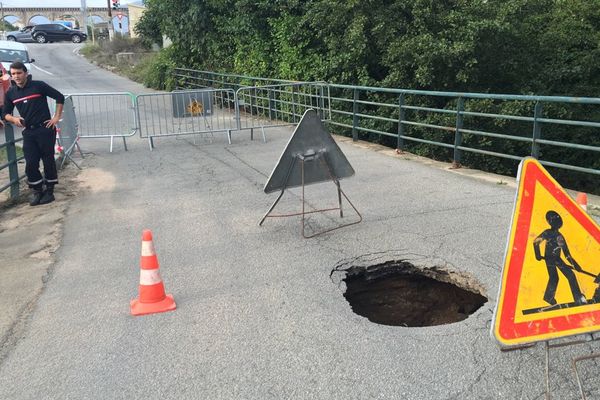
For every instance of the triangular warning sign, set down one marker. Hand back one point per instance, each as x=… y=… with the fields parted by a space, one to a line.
x=550 y=285
x=310 y=139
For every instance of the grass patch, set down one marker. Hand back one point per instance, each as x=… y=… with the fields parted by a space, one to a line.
x=4 y=156
x=149 y=68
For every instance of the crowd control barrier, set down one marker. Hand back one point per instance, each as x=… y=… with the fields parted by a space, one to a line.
x=187 y=112
x=281 y=104
x=105 y=115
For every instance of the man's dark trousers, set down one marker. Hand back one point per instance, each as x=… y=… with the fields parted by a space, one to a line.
x=38 y=144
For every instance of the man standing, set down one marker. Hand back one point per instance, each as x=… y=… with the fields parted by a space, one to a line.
x=39 y=135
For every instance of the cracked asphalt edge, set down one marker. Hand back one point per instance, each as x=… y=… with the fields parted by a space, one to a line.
x=31 y=255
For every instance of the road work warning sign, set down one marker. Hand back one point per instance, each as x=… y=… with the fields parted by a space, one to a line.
x=551 y=276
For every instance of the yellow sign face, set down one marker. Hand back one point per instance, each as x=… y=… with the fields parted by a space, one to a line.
x=551 y=276
x=195 y=107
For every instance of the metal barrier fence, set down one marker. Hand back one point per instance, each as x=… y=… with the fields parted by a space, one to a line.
x=281 y=104
x=186 y=112
x=105 y=115
x=11 y=161
x=467 y=128
x=193 y=79
x=67 y=133
x=468 y=123
x=262 y=102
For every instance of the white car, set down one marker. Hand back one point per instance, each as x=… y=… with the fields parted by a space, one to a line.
x=13 y=51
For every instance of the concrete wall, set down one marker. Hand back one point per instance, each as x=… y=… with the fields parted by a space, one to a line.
x=135 y=13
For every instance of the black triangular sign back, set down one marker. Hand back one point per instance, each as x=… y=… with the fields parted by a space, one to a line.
x=310 y=139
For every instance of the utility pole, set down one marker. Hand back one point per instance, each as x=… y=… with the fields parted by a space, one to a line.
x=110 y=21
x=3 y=24
x=84 y=16
x=93 y=37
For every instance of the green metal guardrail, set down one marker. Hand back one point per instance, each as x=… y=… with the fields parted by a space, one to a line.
x=12 y=160
x=461 y=127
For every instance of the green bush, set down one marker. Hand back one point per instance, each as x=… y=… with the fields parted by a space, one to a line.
x=158 y=70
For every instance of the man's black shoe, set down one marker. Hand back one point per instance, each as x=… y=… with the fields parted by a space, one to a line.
x=35 y=197
x=47 y=197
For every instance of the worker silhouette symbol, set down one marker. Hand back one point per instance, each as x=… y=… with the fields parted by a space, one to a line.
x=556 y=245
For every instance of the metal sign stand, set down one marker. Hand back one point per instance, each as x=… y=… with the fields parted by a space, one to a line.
x=320 y=157
x=574 y=361
x=582 y=358
x=67 y=152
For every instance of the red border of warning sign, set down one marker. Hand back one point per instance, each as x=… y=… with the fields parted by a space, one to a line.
x=506 y=331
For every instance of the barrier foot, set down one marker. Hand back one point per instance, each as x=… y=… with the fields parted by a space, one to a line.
x=111 y=143
x=151 y=143
x=263 y=134
x=79 y=148
x=70 y=159
x=125 y=143
x=229 y=136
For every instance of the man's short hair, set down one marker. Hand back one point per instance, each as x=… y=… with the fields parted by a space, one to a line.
x=18 y=65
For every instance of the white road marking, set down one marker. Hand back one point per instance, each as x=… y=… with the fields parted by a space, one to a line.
x=43 y=70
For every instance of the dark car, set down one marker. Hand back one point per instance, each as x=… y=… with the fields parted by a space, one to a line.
x=22 y=35
x=56 y=33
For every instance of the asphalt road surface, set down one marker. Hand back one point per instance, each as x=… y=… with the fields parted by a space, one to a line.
x=258 y=314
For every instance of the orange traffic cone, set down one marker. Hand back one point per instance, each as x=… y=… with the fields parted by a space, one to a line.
x=152 y=298
x=582 y=200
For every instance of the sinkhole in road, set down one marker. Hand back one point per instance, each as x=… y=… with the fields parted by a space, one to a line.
x=399 y=294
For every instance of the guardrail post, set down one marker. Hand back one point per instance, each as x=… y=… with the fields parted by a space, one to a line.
x=238 y=116
x=460 y=107
x=321 y=102
x=253 y=99
x=294 y=104
x=355 y=116
x=537 y=129
x=271 y=102
x=11 y=155
x=401 y=117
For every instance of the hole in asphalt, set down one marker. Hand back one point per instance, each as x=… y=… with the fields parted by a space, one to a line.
x=399 y=294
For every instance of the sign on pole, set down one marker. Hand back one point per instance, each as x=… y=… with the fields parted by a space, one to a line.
x=551 y=276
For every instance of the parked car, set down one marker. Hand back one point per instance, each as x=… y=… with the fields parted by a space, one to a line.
x=12 y=51
x=22 y=35
x=44 y=33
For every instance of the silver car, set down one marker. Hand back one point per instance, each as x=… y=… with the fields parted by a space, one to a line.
x=22 y=35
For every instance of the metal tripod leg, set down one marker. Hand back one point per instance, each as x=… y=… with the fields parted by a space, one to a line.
x=68 y=154
x=339 y=190
x=79 y=148
x=341 y=193
x=70 y=159
x=272 y=207
x=575 y=361
x=303 y=212
x=287 y=177
x=547 y=347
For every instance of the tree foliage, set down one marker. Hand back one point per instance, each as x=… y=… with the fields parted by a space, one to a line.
x=502 y=46
x=542 y=47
